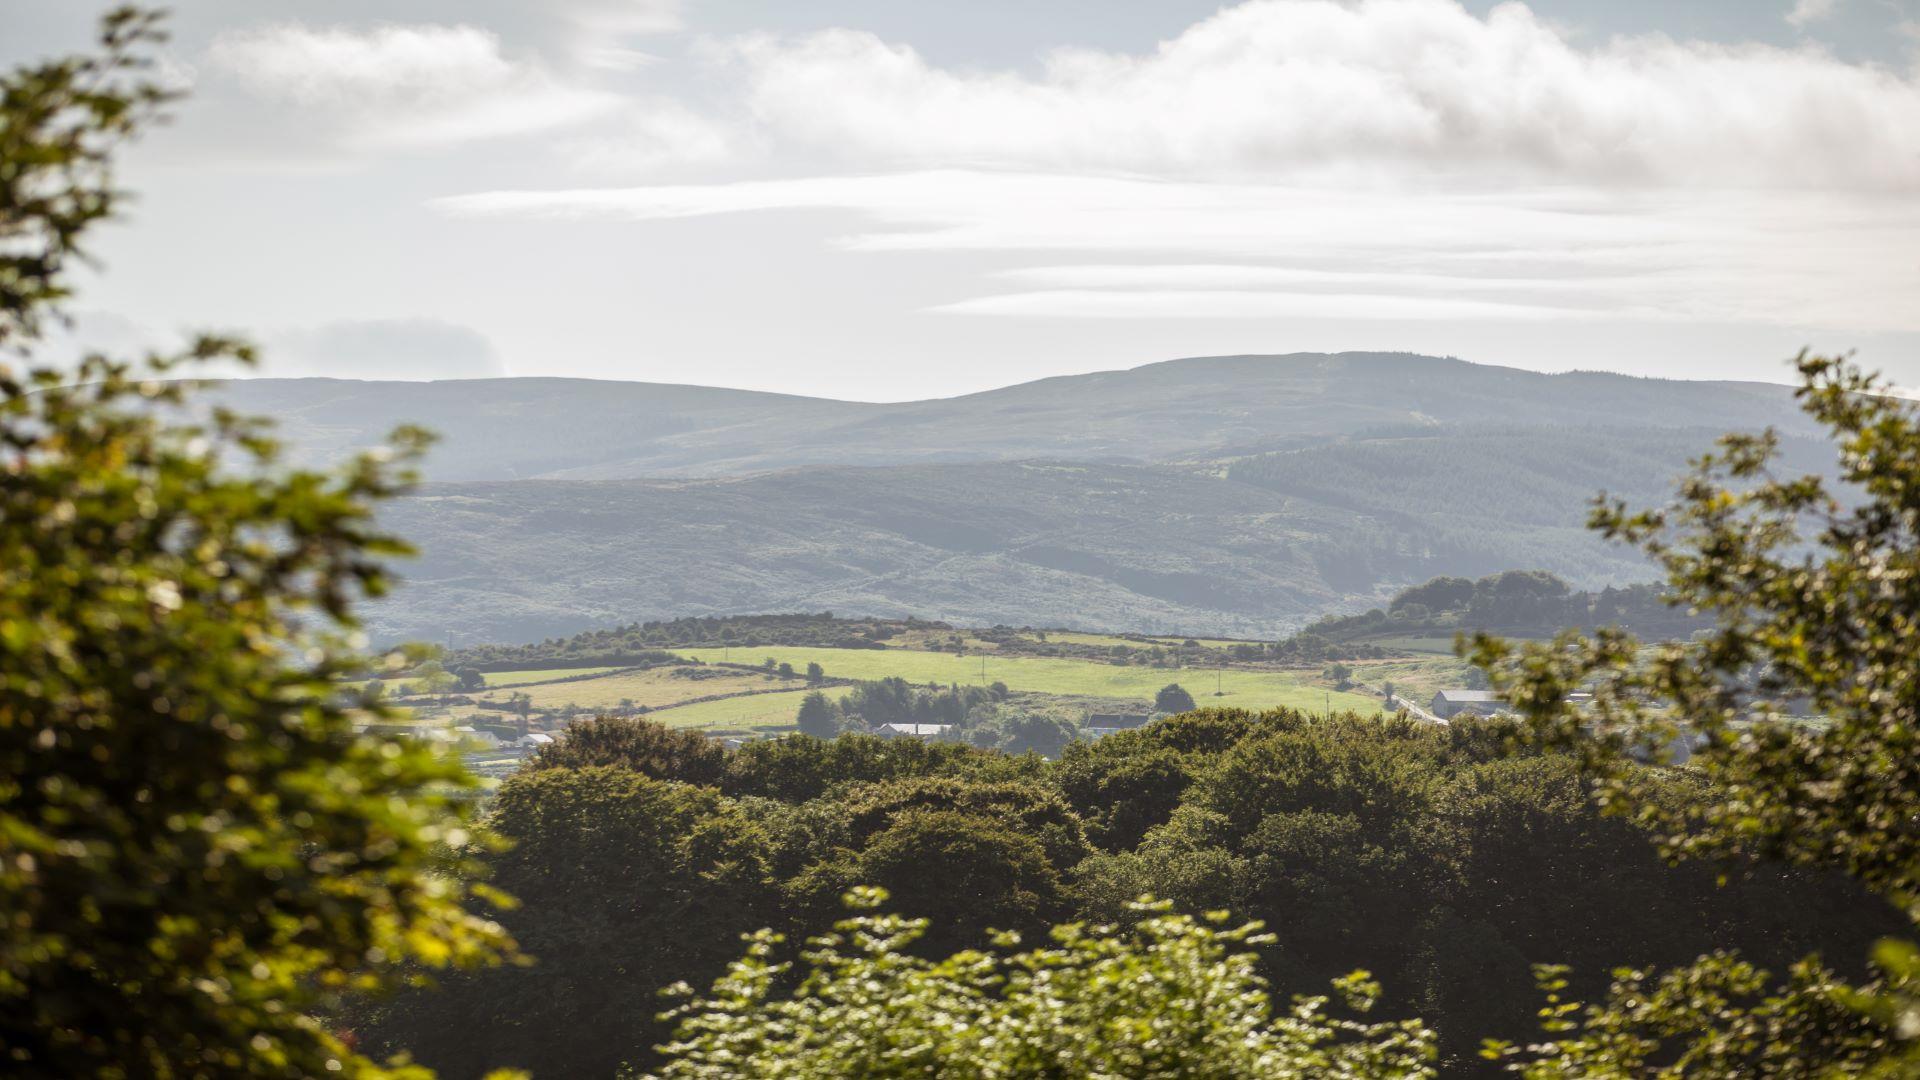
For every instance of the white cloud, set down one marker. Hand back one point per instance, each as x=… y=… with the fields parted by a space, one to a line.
x=652 y=134
x=1369 y=87
x=1811 y=11
x=1767 y=257
x=1395 y=159
x=404 y=85
x=619 y=16
x=1246 y=304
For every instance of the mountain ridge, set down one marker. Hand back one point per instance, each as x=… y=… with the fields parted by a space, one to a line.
x=1232 y=495
x=565 y=428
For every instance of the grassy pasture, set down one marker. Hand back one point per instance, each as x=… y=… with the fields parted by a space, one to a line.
x=655 y=688
x=757 y=712
x=1075 y=637
x=1437 y=644
x=1242 y=689
x=1413 y=678
x=507 y=678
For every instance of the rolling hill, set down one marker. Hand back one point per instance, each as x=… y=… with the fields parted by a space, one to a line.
x=1226 y=495
x=583 y=429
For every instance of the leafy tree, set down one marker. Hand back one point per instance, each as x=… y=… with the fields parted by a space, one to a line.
x=1016 y=730
x=817 y=716
x=627 y=883
x=1032 y=808
x=646 y=747
x=1121 y=787
x=1815 y=596
x=785 y=670
x=470 y=679
x=1438 y=594
x=432 y=679
x=969 y=872
x=970 y=855
x=197 y=854
x=799 y=770
x=815 y=673
x=1174 y=997
x=1173 y=698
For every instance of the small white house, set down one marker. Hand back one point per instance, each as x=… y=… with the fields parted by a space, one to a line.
x=534 y=741
x=914 y=731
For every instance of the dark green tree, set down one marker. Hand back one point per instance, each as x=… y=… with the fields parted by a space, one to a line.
x=627 y=883
x=198 y=856
x=970 y=872
x=817 y=716
x=1015 y=730
x=800 y=770
x=646 y=747
x=1173 y=698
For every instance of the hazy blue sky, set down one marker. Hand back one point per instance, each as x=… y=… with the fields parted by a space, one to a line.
x=888 y=199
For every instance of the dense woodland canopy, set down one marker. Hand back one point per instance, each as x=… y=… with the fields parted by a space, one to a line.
x=1441 y=860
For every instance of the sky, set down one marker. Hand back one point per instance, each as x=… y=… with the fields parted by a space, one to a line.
x=897 y=199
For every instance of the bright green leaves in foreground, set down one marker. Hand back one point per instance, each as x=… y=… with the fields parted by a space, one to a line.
x=1816 y=597
x=1174 y=997
x=197 y=854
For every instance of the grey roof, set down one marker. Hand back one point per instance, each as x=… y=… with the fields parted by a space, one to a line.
x=1469 y=697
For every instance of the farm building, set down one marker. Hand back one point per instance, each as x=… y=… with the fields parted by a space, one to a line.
x=1448 y=704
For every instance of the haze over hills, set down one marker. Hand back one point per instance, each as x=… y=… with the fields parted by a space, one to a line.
x=1225 y=495
x=582 y=429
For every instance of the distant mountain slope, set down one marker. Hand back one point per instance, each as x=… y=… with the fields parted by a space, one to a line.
x=1229 y=495
x=499 y=429
x=1276 y=541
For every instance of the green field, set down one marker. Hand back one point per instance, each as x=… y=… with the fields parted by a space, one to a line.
x=1242 y=689
x=1424 y=675
x=754 y=712
x=1438 y=644
x=655 y=688
x=508 y=678
x=1075 y=637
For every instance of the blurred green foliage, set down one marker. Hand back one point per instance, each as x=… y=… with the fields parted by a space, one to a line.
x=1175 y=996
x=1814 y=589
x=199 y=858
